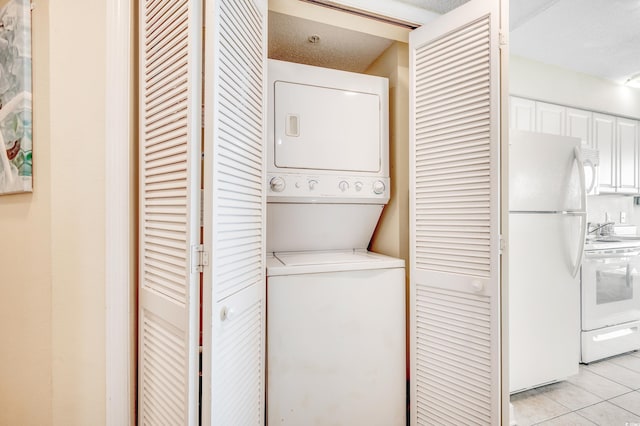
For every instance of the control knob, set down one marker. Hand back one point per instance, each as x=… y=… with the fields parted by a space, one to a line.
x=358 y=186
x=343 y=185
x=312 y=184
x=378 y=187
x=277 y=184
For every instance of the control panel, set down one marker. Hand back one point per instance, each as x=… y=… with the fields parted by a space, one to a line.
x=327 y=188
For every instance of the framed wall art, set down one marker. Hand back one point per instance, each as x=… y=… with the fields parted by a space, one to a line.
x=16 y=159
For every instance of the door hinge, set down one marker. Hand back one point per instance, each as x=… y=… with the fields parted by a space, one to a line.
x=199 y=258
x=503 y=245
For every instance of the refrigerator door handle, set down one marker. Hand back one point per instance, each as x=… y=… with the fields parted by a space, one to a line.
x=590 y=164
x=583 y=185
x=581 y=242
x=583 y=211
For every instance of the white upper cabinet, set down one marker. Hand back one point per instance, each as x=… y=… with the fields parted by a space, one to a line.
x=604 y=131
x=617 y=139
x=627 y=158
x=550 y=118
x=580 y=125
x=522 y=114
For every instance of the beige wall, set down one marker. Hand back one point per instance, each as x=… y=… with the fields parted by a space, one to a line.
x=52 y=313
x=25 y=267
x=392 y=234
x=550 y=83
x=77 y=81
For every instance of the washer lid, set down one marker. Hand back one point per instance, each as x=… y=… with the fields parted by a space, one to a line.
x=293 y=263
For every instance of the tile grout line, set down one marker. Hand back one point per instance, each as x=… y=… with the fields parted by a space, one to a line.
x=598 y=396
x=565 y=414
x=612 y=360
x=586 y=418
x=627 y=390
x=628 y=411
x=610 y=379
x=576 y=411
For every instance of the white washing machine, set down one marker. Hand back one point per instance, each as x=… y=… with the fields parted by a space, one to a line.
x=336 y=351
x=336 y=340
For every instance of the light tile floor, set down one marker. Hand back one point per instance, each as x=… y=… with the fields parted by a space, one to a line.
x=603 y=393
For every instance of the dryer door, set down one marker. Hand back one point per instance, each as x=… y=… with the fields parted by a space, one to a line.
x=323 y=128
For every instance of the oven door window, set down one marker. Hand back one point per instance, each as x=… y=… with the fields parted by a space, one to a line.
x=615 y=285
x=610 y=292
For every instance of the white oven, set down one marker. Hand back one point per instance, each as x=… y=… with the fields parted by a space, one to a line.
x=610 y=284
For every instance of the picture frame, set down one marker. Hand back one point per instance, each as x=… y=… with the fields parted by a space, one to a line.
x=16 y=106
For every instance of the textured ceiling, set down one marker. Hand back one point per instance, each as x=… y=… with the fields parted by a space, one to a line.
x=338 y=48
x=438 y=6
x=595 y=37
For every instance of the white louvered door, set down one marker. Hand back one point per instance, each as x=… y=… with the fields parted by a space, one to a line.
x=455 y=218
x=170 y=37
x=234 y=227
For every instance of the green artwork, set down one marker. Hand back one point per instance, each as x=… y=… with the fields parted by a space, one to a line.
x=16 y=163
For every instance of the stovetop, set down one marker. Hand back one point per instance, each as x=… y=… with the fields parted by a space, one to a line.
x=612 y=242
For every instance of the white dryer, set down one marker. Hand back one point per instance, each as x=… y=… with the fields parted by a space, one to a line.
x=327 y=152
x=336 y=349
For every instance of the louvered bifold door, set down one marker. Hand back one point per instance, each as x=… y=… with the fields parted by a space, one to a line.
x=234 y=179
x=455 y=218
x=170 y=149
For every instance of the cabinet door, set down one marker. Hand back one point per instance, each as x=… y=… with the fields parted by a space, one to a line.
x=522 y=114
x=579 y=125
x=604 y=141
x=550 y=118
x=627 y=158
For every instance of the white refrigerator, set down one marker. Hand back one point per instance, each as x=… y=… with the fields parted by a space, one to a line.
x=547 y=230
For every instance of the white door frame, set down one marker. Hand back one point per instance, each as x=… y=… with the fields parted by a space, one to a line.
x=118 y=224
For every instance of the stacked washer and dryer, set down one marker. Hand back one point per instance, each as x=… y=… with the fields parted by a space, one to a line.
x=336 y=349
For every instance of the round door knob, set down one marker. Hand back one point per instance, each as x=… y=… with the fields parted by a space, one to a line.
x=227 y=313
x=277 y=184
x=358 y=186
x=477 y=286
x=343 y=185
x=378 y=187
x=312 y=184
